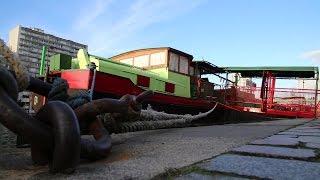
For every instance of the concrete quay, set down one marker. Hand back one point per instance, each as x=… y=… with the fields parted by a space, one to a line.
x=216 y=152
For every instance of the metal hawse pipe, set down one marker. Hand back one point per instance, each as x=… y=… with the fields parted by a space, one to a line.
x=60 y=145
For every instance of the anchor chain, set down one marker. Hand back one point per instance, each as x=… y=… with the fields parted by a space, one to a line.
x=54 y=132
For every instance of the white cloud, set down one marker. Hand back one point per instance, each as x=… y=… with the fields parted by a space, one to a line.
x=91 y=13
x=314 y=55
x=109 y=28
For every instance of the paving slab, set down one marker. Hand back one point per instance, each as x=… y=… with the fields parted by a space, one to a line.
x=264 y=167
x=276 y=151
x=314 y=122
x=298 y=133
x=196 y=176
x=309 y=139
x=145 y=154
x=289 y=140
x=283 y=122
x=307 y=127
x=277 y=141
x=313 y=145
x=305 y=130
x=283 y=136
x=310 y=125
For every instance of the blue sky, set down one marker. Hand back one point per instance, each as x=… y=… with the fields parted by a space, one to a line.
x=224 y=32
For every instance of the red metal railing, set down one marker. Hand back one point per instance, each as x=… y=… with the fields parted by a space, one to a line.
x=280 y=101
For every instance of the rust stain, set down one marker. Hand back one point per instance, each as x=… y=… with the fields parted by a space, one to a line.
x=117 y=156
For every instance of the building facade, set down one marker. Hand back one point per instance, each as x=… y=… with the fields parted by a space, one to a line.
x=28 y=44
x=307 y=84
x=242 y=81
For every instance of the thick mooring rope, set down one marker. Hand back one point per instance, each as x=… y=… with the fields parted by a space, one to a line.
x=13 y=61
x=151 y=120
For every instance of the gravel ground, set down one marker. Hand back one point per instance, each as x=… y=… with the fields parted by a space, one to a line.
x=142 y=155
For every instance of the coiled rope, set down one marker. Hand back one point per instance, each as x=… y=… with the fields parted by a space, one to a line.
x=13 y=61
x=59 y=92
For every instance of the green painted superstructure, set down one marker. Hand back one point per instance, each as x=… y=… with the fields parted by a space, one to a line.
x=177 y=81
x=158 y=77
x=183 y=80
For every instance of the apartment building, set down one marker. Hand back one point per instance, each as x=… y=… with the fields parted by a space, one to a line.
x=28 y=44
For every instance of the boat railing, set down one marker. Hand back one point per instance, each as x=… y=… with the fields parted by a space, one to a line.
x=286 y=101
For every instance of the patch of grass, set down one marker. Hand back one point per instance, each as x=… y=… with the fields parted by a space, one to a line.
x=301 y=145
x=172 y=173
x=317 y=152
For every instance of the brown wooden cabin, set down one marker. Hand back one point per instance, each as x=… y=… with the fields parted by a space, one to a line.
x=162 y=57
x=175 y=61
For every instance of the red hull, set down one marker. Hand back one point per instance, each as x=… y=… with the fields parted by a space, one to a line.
x=109 y=85
x=116 y=86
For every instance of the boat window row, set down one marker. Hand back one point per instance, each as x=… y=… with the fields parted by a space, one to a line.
x=176 y=62
x=144 y=61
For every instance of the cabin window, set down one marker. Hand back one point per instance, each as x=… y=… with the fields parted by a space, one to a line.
x=169 y=87
x=191 y=71
x=143 y=81
x=127 y=61
x=174 y=62
x=141 y=61
x=184 y=65
x=157 y=59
